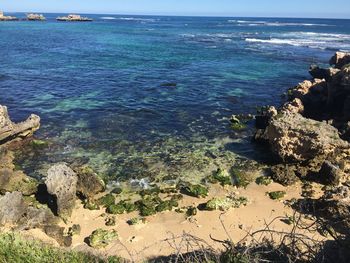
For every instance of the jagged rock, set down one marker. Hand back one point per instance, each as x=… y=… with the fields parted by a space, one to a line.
x=284 y=174
x=16 y=212
x=340 y=59
x=295 y=106
x=12 y=208
x=89 y=183
x=61 y=182
x=330 y=174
x=12 y=180
x=10 y=131
x=57 y=233
x=296 y=139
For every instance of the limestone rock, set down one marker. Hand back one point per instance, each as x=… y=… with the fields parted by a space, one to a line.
x=295 y=106
x=12 y=208
x=296 y=139
x=330 y=174
x=12 y=180
x=340 y=59
x=89 y=183
x=57 y=233
x=61 y=182
x=10 y=131
x=284 y=174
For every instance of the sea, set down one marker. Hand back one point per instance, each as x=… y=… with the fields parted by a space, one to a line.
x=145 y=99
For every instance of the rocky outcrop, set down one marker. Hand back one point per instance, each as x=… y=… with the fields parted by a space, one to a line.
x=7 y=18
x=16 y=212
x=74 y=18
x=61 y=183
x=310 y=132
x=35 y=17
x=89 y=183
x=10 y=131
x=340 y=59
x=296 y=139
x=12 y=180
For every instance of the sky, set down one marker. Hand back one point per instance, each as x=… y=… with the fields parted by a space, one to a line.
x=244 y=8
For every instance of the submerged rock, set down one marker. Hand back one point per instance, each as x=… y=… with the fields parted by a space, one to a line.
x=10 y=131
x=61 y=182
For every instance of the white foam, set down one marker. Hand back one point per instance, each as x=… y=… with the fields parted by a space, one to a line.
x=137 y=19
x=108 y=18
x=270 y=23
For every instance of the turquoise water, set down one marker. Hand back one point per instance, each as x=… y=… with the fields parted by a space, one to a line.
x=103 y=88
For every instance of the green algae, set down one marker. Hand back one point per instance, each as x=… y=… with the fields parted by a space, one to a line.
x=225 y=203
x=277 y=195
x=136 y=221
x=90 y=205
x=223 y=177
x=107 y=200
x=263 y=180
x=121 y=207
x=240 y=179
x=195 y=190
x=101 y=238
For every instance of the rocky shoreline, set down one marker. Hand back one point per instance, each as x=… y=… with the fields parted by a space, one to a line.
x=309 y=136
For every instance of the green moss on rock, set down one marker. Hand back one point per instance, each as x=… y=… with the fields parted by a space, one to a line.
x=107 y=200
x=101 y=238
x=263 y=180
x=195 y=190
x=276 y=195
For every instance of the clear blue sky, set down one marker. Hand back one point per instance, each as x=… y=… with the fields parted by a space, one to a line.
x=280 y=8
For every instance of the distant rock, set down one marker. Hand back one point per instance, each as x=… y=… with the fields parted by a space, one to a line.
x=10 y=131
x=74 y=18
x=7 y=18
x=35 y=17
x=61 y=183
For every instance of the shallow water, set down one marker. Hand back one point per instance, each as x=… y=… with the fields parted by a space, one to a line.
x=103 y=88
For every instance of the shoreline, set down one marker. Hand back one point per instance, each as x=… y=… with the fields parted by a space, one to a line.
x=312 y=171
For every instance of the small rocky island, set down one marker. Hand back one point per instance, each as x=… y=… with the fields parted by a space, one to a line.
x=35 y=17
x=74 y=18
x=7 y=18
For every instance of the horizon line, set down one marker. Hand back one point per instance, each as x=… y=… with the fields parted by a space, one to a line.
x=183 y=15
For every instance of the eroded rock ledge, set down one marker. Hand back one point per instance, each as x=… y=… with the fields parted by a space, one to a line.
x=10 y=131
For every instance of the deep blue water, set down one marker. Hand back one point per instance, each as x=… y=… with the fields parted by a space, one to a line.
x=99 y=87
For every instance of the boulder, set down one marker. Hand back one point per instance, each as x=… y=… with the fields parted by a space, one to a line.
x=61 y=183
x=340 y=59
x=12 y=208
x=89 y=183
x=10 y=131
x=296 y=139
x=58 y=233
x=284 y=174
x=330 y=173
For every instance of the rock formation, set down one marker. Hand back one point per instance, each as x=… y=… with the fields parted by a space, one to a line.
x=61 y=183
x=10 y=131
x=7 y=18
x=310 y=132
x=35 y=17
x=74 y=18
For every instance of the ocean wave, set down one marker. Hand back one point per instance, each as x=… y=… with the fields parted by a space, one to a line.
x=270 y=23
x=137 y=19
x=108 y=18
x=307 y=39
